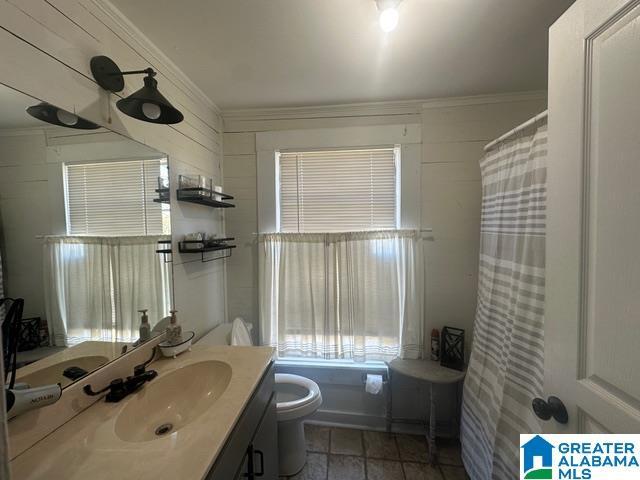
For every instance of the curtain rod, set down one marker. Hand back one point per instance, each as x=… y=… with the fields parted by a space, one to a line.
x=518 y=129
x=422 y=230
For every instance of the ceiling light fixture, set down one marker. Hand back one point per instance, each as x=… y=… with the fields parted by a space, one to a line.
x=56 y=116
x=389 y=15
x=146 y=104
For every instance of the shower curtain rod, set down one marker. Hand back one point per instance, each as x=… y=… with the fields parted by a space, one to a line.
x=518 y=129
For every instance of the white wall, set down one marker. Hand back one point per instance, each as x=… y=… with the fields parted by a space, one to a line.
x=46 y=48
x=345 y=402
x=453 y=137
x=24 y=213
x=454 y=132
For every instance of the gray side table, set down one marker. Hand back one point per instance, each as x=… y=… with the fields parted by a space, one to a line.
x=426 y=371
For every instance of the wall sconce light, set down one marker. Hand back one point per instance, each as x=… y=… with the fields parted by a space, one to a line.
x=56 y=116
x=146 y=104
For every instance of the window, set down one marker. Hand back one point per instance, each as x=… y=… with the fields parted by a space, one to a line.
x=339 y=250
x=344 y=288
x=338 y=190
x=115 y=198
x=107 y=266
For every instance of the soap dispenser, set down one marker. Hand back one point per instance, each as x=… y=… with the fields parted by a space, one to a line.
x=145 y=328
x=174 y=331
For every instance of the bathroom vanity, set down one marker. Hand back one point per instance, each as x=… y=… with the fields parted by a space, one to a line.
x=251 y=450
x=210 y=413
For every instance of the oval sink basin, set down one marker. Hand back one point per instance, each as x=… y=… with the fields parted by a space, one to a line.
x=54 y=373
x=168 y=403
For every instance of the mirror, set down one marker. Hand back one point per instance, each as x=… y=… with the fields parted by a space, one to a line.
x=84 y=219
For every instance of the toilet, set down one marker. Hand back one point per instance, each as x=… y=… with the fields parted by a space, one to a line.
x=296 y=399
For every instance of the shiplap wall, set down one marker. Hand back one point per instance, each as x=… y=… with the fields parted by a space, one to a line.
x=454 y=132
x=25 y=211
x=46 y=47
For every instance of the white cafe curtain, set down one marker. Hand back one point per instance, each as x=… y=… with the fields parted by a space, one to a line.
x=354 y=295
x=95 y=285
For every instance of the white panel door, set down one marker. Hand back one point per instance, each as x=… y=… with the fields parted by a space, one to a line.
x=592 y=326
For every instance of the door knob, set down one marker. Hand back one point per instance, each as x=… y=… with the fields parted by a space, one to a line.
x=553 y=407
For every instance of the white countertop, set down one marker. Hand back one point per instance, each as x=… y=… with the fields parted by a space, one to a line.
x=88 y=448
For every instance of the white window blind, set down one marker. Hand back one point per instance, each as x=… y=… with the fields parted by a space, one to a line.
x=338 y=190
x=115 y=198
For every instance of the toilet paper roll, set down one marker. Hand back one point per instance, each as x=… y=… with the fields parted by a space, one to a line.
x=373 y=384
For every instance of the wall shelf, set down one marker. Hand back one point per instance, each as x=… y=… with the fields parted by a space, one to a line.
x=163 y=195
x=165 y=251
x=204 y=196
x=214 y=245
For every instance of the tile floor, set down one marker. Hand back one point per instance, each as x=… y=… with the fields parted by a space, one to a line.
x=346 y=454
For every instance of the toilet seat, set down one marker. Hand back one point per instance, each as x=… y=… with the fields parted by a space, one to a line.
x=300 y=407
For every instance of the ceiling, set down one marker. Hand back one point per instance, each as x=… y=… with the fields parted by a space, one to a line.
x=281 y=53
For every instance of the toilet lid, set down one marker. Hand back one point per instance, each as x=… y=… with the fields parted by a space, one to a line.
x=240 y=334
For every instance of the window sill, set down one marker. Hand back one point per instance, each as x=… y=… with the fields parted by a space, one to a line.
x=334 y=364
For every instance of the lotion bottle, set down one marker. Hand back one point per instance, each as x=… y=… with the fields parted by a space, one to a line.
x=145 y=328
x=174 y=331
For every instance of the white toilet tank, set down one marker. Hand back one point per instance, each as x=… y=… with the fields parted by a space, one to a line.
x=236 y=333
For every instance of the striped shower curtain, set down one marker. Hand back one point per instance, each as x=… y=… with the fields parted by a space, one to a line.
x=506 y=368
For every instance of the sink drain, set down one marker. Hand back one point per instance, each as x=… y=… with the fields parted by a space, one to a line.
x=164 y=429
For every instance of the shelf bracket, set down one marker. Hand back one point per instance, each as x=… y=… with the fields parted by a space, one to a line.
x=227 y=255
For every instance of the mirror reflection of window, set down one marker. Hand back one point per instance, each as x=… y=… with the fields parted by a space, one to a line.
x=107 y=263
x=115 y=198
x=81 y=214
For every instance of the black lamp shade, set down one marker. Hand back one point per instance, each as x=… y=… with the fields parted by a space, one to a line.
x=148 y=104
x=56 y=116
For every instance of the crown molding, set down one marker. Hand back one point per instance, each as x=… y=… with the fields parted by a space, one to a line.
x=323 y=111
x=485 y=99
x=148 y=49
x=405 y=107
